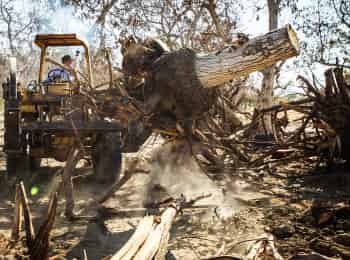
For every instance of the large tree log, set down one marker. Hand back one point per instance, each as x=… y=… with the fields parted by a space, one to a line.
x=180 y=83
x=215 y=69
x=255 y=55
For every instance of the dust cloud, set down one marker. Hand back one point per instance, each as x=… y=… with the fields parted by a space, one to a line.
x=174 y=168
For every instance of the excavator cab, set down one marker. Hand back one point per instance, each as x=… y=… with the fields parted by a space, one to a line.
x=63 y=44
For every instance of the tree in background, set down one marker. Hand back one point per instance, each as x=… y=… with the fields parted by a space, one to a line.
x=19 y=22
x=326 y=26
x=269 y=74
x=202 y=25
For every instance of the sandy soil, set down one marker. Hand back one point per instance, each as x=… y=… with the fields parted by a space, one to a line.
x=223 y=219
x=244 y=205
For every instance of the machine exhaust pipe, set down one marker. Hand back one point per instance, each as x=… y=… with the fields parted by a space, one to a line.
x=12 y=115
x=13 y=81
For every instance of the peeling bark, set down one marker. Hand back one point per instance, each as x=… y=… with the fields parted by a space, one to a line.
x=255 y=55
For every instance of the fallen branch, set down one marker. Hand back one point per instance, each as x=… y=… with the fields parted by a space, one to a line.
x=263 y=249
x=17 y=220
x=40 y=248
x=28 y=223
x=150 y=239
x=38 y=245
x=137 y=239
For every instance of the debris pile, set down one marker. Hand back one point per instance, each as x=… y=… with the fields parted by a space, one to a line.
x=180 y=94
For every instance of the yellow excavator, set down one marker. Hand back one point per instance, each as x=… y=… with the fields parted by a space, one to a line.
x=43 y=119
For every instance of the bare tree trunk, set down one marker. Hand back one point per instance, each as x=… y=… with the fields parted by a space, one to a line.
x=269 y=74
x=9 y=36
x=182 y=83
x=266 y=99
x=258 y=53
x=210 y=6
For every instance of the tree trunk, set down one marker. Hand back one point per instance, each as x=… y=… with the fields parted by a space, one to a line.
x=266 y=98
x=10 y=38
x=255 y=55
x=211 y=6
x=269 y=74
x=28 y=219
x=181 y=84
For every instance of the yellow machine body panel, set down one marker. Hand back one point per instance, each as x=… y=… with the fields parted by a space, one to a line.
x=44 y=40
x=28 y=108
x=63 y=140
x=25 y=106
x=59 y=89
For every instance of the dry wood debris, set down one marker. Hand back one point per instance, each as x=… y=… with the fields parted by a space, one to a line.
x=37 y=244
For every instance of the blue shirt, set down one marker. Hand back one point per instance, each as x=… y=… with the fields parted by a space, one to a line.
x=57 y=74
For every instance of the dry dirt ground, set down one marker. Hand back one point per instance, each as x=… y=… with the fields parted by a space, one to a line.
x=306 y=209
